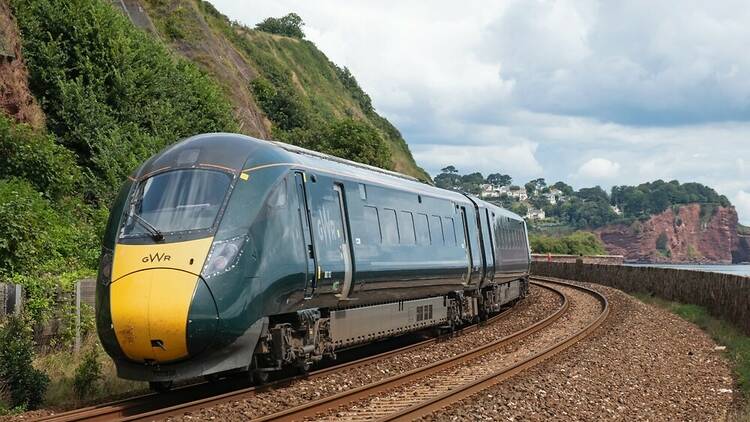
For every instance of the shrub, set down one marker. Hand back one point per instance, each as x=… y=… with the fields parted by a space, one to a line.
x=35 y=156
x=662 y=241
x=89 y=371
x=281 y=104
x=26 y=384
x=289 y=25
x=578 y=243
x=348 y=138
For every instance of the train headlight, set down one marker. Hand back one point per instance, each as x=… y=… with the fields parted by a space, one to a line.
x=105 y=268
x=223 y=256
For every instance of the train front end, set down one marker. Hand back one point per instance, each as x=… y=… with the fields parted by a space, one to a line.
x=157 y=316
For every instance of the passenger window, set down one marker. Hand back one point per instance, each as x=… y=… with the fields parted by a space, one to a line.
x=449 y=231
x=389 y=227
x=406 y=228
x=372 y=225
x=422 y=227
x=436 y=231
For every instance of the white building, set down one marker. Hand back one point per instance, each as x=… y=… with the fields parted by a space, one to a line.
x=492 y=191
x=535 y=214
x=520 y=194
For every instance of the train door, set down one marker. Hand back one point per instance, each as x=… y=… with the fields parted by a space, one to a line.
x=305 y=221
x=333 y=251
x=490 y=246
x=467 y=242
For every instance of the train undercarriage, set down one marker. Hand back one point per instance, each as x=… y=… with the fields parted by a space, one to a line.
x=303 y=338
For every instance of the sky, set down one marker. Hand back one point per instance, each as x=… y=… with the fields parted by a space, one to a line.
x=591 y=93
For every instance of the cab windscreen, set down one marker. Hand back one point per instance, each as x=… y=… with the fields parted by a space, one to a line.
x=176 y=201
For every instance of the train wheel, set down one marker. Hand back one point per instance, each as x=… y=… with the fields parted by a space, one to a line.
x=160 y=386
x=259 y=377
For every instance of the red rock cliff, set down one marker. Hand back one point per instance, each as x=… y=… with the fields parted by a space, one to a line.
x=689 y=233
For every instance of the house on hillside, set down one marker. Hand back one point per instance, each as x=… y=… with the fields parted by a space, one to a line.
x=492 y=191
x=519 y=194
x=535 y=214
x=554 y=196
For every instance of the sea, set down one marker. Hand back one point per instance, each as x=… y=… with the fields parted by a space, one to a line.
x=738 y=269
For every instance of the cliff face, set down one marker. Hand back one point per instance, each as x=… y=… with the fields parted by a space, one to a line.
x=688 y=233
x=15 y=98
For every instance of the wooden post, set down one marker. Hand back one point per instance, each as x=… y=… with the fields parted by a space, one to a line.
x=78 y=317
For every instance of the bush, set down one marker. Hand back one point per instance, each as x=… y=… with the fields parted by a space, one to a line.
x=26 y=384
x=578 y=243
x=289 y=25
x=281 y=104
x=36 y=157
x=348 y=138
x=89 y=371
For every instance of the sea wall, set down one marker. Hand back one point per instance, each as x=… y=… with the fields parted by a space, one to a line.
x=724 y=296
x=587 y=259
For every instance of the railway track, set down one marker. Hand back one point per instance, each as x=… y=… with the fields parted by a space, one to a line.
x=194 y=397
x=420 y=392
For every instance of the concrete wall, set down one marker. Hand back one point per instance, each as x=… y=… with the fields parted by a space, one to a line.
x=589 y=259
x=724 y=296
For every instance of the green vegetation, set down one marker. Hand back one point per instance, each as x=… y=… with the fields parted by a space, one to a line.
x=25 y=385
x=89 y=371
x=724 y=333
x=63 y=368
x=112 y=94
x=743 y=230
x=655 y=197
x=578 y=243
x=661 y=242
x=288 y=26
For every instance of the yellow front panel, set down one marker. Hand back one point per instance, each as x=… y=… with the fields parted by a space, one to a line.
x=187 y=256
x=150 y=303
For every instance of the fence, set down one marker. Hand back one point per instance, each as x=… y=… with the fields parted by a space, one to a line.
x=10 y=299
x=725 y=296
x=84 y=294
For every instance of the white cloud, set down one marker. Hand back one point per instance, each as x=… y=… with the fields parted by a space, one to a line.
x=742 y=203
x=599 y=168
x=516 y=159
x=547 y=88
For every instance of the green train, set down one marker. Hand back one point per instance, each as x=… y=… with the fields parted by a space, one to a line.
x=224 y=253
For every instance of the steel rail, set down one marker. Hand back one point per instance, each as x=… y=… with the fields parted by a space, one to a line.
x=312 y=409
x=196 y=396
x=453 y=396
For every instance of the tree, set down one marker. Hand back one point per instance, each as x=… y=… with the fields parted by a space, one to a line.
x=471 y=182
x=289 y=26
x=593 y=194
x=497 y=179
x=563 y=187
x=535 y=185
x=449 y=169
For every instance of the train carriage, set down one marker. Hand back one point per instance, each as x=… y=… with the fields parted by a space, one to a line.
x=226 y=253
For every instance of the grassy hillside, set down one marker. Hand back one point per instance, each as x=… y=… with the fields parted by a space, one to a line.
x=112 y=94
x=281 y=87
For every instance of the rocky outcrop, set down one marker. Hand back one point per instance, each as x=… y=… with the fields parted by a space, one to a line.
x=700 y=233
x=15 y=98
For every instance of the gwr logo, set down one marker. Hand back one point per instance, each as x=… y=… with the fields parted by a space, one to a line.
x=156 y=257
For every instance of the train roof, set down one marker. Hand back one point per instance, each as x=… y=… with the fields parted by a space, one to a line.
x=235 y=152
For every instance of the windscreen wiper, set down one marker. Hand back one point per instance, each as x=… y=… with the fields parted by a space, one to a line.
x=155 y=233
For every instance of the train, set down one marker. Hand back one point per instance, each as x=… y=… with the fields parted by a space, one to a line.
x=227 y=254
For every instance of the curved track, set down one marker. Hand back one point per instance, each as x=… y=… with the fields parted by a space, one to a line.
x=423 y=391
x=188 y=398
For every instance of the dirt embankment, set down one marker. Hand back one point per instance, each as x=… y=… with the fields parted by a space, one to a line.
x=689 y=233
x=15 y=98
